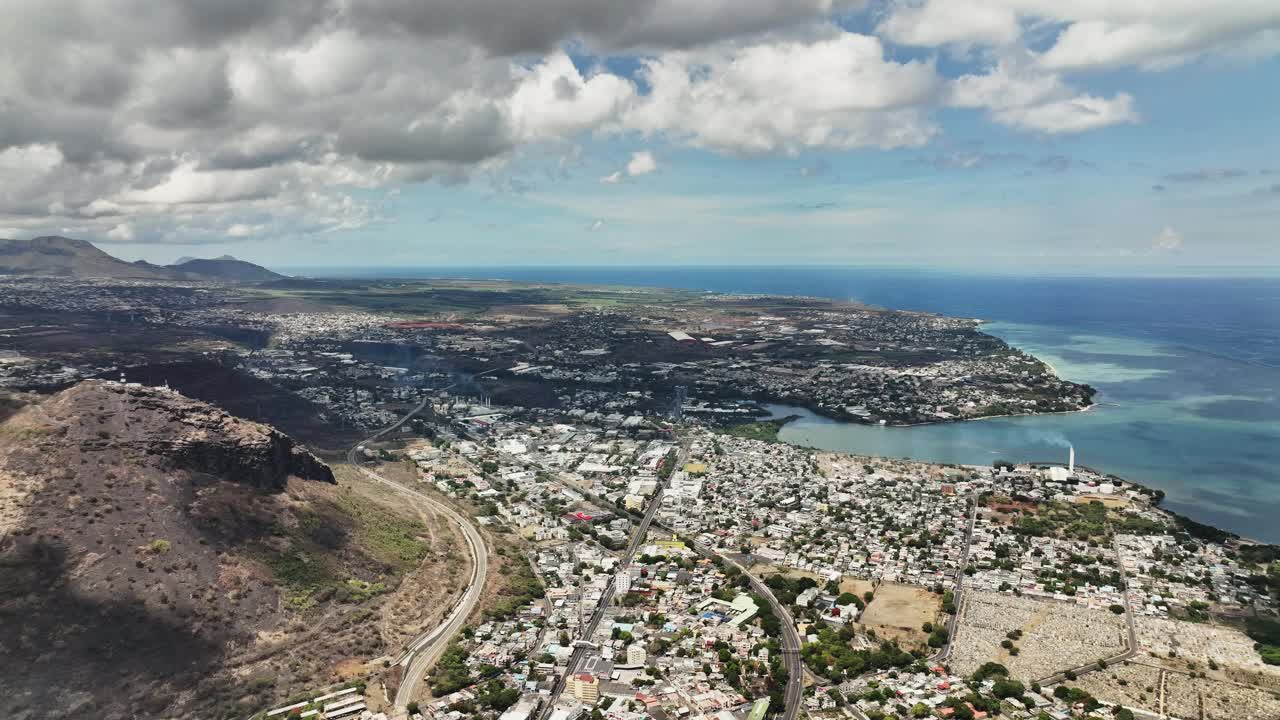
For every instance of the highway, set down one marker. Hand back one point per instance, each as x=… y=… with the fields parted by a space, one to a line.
x=790 y=641
x=425 y=649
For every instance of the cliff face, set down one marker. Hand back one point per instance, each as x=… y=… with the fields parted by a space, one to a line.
x=168 y=428
x=136 y=527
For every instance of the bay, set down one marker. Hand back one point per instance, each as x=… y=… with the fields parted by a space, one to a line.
x=1188 y=371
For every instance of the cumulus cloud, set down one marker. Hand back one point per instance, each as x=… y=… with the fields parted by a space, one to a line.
x=187 y=119
x=835 y=91
x=641 y=163
x=1019 y=94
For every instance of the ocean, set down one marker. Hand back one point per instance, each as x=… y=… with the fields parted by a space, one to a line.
x=1188 y=371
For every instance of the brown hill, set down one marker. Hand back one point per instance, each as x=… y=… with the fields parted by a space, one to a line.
x=161 y=558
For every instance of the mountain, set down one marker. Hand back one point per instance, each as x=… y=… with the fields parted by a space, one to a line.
x=53 y=256
x=226 y=268
x=162 y=558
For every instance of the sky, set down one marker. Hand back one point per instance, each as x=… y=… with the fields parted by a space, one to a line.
x=1092 y=136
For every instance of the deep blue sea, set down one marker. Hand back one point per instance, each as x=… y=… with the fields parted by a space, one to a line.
x=1188 y=371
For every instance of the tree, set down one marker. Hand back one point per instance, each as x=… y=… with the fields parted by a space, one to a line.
x=1008 y=688
x=1117 y=608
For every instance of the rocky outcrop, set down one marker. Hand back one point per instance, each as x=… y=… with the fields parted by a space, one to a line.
x=148 y=543
x=184 y=433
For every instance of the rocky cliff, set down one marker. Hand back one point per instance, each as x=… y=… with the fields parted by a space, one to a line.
x=143 y=538
x=170 y=429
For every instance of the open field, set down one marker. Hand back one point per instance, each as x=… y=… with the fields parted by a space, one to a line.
x=857 y=586
x=456 y=298
x=906 y=607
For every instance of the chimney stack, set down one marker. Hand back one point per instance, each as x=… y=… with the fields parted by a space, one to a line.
x=1071 y=459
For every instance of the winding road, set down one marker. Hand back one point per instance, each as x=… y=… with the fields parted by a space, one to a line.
x=427 y=648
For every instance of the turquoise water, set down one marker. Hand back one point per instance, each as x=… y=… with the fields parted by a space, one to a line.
x=1203 y=428
x=1188 y=371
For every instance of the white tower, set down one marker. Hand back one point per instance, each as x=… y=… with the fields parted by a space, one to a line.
x=1071 y=459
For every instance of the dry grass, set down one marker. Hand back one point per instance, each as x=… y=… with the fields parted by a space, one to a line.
x=900 y=611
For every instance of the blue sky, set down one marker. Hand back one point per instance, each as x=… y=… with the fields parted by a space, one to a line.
x=978 y=195
x=1013 y=134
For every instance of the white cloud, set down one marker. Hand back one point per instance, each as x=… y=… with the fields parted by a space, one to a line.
x=935 y=23
x=1093 y=33
x=1019 y=94
x=1071 y=115
x=554 y=101
x=241 y=230
x=1168 y=239
x=835 y=91
x=642 y=163
x=191 y=122
x=122 y=232
x=596 y=225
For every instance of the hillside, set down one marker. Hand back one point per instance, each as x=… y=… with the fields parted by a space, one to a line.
x=161 y=558
x=226 y=268
x=65 y=257
x=53 y=256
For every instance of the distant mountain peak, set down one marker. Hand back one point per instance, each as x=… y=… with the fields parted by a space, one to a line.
x=57 y=256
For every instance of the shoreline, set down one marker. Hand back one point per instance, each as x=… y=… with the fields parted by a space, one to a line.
x=940 y=421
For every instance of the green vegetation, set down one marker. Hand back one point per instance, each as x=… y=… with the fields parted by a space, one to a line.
x=833 y=658
x=1076 y=695
x=522 y=587
x=451 y=673
x=1078 y=521
x=160 y=546
x=386 y=537
x=765 y=430
x=303 y=577
x=785 y=589
x=1266 y=635
x=360 y=590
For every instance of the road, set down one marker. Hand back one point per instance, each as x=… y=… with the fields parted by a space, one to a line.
x=956 y=596
x=1133 y=634
x=790 y=641
x=637 y=539
x=427 y=648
